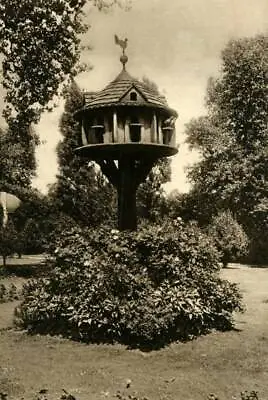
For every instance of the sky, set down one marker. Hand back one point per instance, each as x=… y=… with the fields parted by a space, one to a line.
x=176 y=43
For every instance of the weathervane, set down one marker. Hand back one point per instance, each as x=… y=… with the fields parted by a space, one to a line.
x=123 y=45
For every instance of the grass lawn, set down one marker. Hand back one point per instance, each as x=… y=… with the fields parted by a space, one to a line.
x=221 y=363
x=34 y=259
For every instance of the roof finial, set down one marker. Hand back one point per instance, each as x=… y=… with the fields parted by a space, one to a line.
x=123 y=45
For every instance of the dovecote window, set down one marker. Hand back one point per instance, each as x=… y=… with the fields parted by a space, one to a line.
x=167 y=134
x=135 y=129
x=133 y=96
x=168 y=128
x=99 y=130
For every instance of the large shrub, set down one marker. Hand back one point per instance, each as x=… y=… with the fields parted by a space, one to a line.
x=144 y=288
x=229 y=236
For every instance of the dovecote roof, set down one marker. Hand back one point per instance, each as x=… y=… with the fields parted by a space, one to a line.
x=114 y=94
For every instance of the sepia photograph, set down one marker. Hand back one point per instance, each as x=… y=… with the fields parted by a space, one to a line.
x=133 y=199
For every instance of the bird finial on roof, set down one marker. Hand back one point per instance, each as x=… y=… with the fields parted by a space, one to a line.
x=123 y=45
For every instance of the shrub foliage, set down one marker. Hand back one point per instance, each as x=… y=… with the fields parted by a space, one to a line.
x=229 y=236
x=8 y=293
x=146 y=288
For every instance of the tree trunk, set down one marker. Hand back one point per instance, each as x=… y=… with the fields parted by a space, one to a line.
x=225 y=261
x=4 y=261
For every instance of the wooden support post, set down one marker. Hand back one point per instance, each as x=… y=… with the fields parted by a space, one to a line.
x=127 y=187
x=154 y=137
x=160 y=131
x=83 y=135
x=106 y=130
x=110 y=170
x=173 y=138
x=127 y=132
x=143 y=169
x=126 y=179
x=143 y=138
x=115 y=128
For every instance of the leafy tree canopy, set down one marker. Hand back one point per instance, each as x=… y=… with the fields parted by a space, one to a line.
x=233 y=137
x=40 y=48
x=40 y=44
x=151 y=199
x=16 y=162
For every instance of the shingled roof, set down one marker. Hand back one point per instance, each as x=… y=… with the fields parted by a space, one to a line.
x=113 y=93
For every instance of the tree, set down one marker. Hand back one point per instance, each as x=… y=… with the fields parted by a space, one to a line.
x=39 y=41
x=229 y=237
x=151 y=85
x=8 y=237
x=40 y=47
x=16 y=162
x=81 y=190
x=151 y=199
x=34 y=221
x=185 y=206
x=16 y=173
x=233 y=140
x=41 y=44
